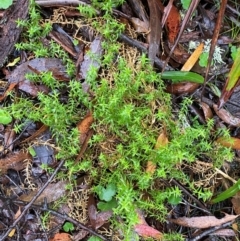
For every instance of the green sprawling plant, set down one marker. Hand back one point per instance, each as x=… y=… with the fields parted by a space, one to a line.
x=131 y=108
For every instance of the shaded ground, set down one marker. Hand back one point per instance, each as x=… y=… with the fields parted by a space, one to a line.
x=97 y=143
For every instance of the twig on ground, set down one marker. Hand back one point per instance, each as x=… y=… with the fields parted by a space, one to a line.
x=209 y=231
x=25 y=209
x=50 y=3
x=135 y=43
x=204 y=209
x=64 y=217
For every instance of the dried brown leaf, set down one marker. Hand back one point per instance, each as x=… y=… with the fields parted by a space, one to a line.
x=232 y=142
x=147 y=232
x=226 y=116
x=14 y=161
x=206 y=111
x=155 y=27
x=182 y=88
x=37 y=65
x=97 y=219
x=89 y=62
x=139 y=25
x=204 y=221
x=51 y=193
x=144 y=230
x=227 y=232
x=61 y=237
x=84 y=126
x=236 y=203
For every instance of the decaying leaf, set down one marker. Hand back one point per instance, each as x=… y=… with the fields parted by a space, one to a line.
x=61 y=237
x=232 y=142
x=204 y=221
x=236 y=203
x=148 y=232
x=162 y=141
x=144 y=230
x=206 y=111
x=226 y=116
x=139 y=25
x=182 y=88
x=92 y=58
x=14 y=161
x=173 y=24
x=98 y=219
x=84 y=126
x=53 y=192
x=155 y=27
x=40 y=65
x=226 y=232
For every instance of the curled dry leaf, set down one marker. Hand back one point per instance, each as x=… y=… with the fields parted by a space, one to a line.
x=206 y=111
x=226 y=116
x=204 y=221
x=182 y=88
x=229 y=142
x=84 y=126
x=14 y=161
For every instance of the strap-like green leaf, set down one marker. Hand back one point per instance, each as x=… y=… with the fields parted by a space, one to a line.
x=183 y=76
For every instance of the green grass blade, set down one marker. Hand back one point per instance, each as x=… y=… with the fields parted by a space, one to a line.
x=234 y=72
x=230 y=192
x=183 y=76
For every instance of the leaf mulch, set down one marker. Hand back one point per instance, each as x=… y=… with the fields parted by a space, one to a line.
x=158 y=29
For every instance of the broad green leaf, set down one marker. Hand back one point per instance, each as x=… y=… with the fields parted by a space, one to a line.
x=234 y=72
x=230 y=192
x=68 y=227
x=185 y=4
x=5 y=3
x=183 y=76
x=107 y=193
x=106 y=206
x=5 y=117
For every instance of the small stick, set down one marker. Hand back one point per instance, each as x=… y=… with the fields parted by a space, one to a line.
x=209 y=231
x=31 y=202
x=64 y=217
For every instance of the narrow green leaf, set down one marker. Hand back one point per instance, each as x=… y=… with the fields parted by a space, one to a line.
x=230 y=192
x=183 y=76
x=234 y=72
